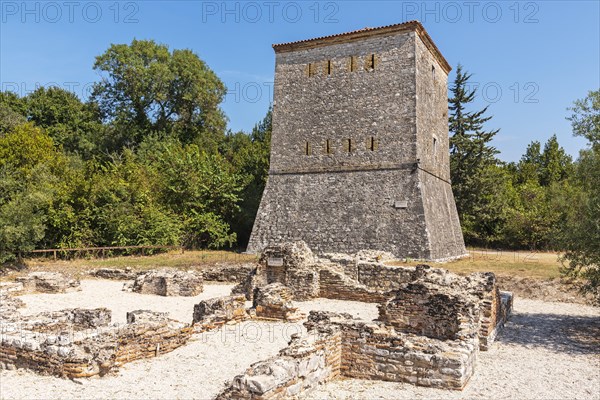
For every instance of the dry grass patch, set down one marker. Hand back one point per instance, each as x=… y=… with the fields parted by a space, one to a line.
x=172 y=259
x=538 y=265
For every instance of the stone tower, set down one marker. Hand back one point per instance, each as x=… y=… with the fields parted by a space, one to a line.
x=359 y=152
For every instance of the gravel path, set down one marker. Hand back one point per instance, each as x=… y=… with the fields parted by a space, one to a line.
x=547 y=351
x=109 y=294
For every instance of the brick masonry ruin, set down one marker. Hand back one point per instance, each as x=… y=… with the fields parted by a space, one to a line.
x=359 y=153
x=78 y=343
x=431 y=326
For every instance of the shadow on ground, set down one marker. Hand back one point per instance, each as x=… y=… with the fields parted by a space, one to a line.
x=556 y=332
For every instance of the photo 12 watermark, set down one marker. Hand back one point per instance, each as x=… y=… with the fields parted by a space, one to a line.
x=53 y=12
x=524 y=12
x=248 y=92
x=516 y=92
x=81 y=89
x=253 y=12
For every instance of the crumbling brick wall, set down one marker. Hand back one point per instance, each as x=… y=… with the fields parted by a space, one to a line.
x=430 y=310
x=378 y=276
x=336 y=345
x=335 y=285
x=213 y=313
x=78 y=351
x=274 y=301
x=378 y=353
x=297 y=369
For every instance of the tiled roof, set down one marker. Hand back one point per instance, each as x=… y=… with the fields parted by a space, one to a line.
x=367 y=29
x=367 y=32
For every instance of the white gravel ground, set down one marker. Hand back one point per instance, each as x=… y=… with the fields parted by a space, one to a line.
x=538 y=356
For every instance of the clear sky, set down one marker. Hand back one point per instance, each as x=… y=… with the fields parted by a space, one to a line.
x=530 y=59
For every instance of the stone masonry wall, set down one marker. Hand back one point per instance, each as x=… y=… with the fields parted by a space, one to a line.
x=347 y=134
x=213 y=313
x=77 y=353
x=297 y=369
x=376 y=353
x=336 y=345
x=432 y=311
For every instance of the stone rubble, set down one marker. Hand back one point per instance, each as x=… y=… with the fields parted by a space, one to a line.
x=122 y=274
x=167 y=283
x=274 y=301
x=48 y=282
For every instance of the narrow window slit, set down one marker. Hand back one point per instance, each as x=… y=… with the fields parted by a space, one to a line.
x=307 y=149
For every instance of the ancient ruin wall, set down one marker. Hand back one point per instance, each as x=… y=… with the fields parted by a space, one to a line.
x=90 y=346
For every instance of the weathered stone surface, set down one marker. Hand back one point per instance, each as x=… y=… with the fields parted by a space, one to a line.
x=168 y=283
x=225 y=272
x=115 y=273
x=274 y=301
x=146 y=316
x=440 y=312
x=11 y=288
x=9 y=307
x=48 y=282
x=359 y=158
x=70 y=343
x=212 y=313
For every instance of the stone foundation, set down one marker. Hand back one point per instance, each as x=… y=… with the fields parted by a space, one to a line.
x=298 y=368
x=168 y=283
x=226 y=272
x=274 y=301
x=48 y=282
x=336 y=345
x=80 y=343
x=431 y=310
x=213 y=313
x=422 y=300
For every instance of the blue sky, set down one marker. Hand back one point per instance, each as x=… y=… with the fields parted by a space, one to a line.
x=530 y=59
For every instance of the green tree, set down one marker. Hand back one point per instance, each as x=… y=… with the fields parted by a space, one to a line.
x=12 y=112
x=148 y=89
x=125 y=208
x=529 y=168
x=556 y=164
x=542 y=183
x=249 y=155
x=582 y=234
x=72 y=124
x=28 y=169
x=473 y=166
x=201 y=188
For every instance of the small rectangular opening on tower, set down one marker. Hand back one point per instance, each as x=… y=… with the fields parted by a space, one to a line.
x=328 y=147
x=370 y=62
x=349 y=145
x=307 y=149
x=329 y=70
x=353 y=63
x=311 y=69
x=372 y=143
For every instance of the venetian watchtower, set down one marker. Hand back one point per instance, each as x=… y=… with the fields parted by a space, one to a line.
x=359 y=153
